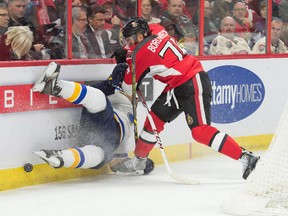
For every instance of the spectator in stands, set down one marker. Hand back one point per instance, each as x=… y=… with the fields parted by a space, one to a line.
x=111 y=20
x=243 y=24
x=227 y=43
x=16 y=43
x=146 y=9
x=80 y=44
x=255 y=6
x=77 y=3
x=103 y=41
x=284 y=35
x=16 y=10
x=260 y=25
x=277 y=46
x=183 y=25
x=34 y=12
x=250 y=13
x=61 y=10
x=191 y=9
x=283 y=10
x=159 y=8
x=4 y=18
x=52 y=11
x=125 y=9
x=61 y=7
x=210 y=29
x=185 y=31
x=245 y=19
x=220 y=10
x=231 y=3
x=168 y=25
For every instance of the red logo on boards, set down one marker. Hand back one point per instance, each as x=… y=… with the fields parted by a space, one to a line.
x=20 y=98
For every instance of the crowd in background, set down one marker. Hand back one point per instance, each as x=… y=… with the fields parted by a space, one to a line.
x=230 y=26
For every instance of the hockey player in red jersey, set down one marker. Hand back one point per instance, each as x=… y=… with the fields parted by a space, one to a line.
x=188 y=90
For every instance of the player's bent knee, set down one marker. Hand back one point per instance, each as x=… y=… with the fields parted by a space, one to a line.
x=95 y=100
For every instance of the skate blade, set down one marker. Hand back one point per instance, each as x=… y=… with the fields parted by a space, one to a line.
x=136 y=173
x=38 y=87
x=40 y=154
x=52 y=161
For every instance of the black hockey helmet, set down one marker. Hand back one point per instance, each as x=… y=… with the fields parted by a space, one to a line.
x=135 y=25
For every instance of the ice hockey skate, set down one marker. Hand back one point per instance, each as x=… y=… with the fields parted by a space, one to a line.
x=249 y=163
x=131 y=166
x=47 y=83
x=120 y=169
x=51 y=157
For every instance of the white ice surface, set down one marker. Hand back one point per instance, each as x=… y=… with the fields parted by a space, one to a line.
x=156 y=194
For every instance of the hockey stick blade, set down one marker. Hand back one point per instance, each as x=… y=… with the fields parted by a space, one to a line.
x=183 y=180
x=176 y=177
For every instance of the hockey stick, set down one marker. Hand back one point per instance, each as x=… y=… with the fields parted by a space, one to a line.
x=134 y=85
x=159 y=142
x=134 y=103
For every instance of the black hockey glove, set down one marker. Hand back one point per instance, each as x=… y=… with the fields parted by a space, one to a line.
x=120 y=55
x=117 y=76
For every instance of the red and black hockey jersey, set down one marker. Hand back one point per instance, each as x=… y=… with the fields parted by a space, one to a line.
x=161 y=57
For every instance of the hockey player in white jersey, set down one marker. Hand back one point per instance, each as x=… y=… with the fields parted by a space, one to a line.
x=106 y=121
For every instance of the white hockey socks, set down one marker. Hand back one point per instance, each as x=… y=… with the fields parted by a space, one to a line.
x=83 y=157
x=92 y=98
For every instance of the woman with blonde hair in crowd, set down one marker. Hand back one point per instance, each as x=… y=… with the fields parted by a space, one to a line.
x=16 y=43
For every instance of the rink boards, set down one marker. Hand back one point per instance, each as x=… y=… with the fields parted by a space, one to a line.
x=248 y=98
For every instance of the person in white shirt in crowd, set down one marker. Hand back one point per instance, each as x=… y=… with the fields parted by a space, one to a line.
x=277 y=45
x=227 y=43
x=103 y=41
